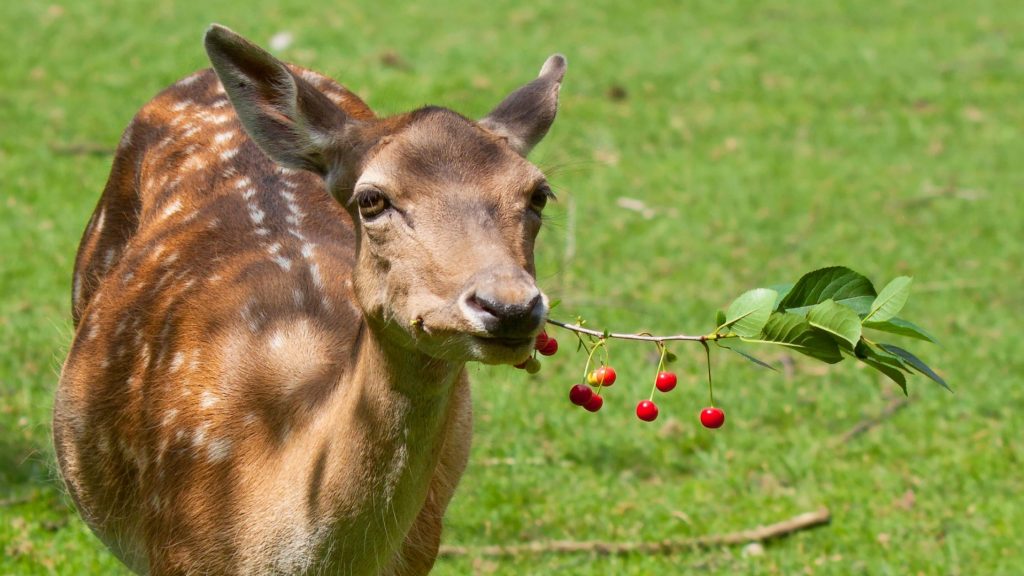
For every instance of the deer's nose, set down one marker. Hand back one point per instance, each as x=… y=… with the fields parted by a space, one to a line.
x=506 y=304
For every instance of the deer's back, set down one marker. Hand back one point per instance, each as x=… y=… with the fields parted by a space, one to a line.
x=213 y=309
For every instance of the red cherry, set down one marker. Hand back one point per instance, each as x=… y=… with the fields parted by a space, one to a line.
x=712 y=417
x=550 y=347
x=595 y=403
x=646 y=411
x=665 y=381
x=605 y=376
x=580 y=394
x=541 y=341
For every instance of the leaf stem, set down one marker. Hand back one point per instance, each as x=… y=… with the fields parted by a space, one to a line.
x=643 y=337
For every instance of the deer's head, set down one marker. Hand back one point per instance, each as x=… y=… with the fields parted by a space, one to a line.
x=446 y=209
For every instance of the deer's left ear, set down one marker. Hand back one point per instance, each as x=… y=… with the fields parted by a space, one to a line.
x=289 y=119
x=525 y=115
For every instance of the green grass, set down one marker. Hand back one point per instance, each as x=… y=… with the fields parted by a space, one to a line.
x=767 y=138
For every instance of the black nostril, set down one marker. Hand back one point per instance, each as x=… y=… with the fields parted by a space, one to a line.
x=510 y=318
x=506 y=311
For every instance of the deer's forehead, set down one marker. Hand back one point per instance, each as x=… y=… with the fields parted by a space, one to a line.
x=441 y=151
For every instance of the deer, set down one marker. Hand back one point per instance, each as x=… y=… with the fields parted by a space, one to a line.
x=274 y=303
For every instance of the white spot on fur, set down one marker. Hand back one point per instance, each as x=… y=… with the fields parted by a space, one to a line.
x=307 y=251
x=179 y=106
x=218 y=450
x=169 y=416
x=277 y=340
x=283 y=262
x=229 y=154
x=108 y=258
x=243 y=182
x=189 y=79
x=256 y=215
x=171 y=209
x=100 y=221
x=262 y=232
x=199 y=436
x=177 y=361
x=314 y=271
x=208 y=399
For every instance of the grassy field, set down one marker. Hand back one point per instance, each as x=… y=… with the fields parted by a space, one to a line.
x=751 y=141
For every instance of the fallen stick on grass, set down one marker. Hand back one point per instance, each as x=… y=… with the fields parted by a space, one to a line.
x=797 y=523
x=894 y=406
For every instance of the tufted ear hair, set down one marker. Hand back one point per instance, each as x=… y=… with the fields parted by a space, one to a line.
x=287 y=117
x=525 y=116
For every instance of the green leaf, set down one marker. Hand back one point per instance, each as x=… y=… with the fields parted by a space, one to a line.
x=753 y=359
x=916 y=364
x=670 y=358
x=893 y=374
x=837 y=320
x=903 y=328
x=554 y=304
x=842 y=285
x=883 y=361
x=720 y=319
x=890 y=300
x=748 y=314
x=793 y=331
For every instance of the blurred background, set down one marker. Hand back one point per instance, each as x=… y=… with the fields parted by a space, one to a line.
x=701 y=149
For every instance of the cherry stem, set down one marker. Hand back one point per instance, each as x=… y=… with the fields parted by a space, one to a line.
x=661 y=366
x=711 y=388
x=643 y=337
x=586 y=369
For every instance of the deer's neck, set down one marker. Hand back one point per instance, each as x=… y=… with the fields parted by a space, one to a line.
x=396 y=408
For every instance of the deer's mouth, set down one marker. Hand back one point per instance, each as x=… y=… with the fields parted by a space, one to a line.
x=507 y=342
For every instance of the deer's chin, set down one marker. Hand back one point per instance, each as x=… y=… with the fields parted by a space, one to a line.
x=491 y=350
x=460 y=346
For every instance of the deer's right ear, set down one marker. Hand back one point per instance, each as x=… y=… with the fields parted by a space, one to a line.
x=524 y=116
x=289 y=119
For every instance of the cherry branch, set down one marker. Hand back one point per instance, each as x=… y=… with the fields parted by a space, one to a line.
x=759 y=534
x=643 y=337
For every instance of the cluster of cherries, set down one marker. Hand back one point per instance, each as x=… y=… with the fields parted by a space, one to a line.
x=588 y=395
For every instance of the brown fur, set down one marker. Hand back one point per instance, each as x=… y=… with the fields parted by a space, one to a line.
x=261 y=380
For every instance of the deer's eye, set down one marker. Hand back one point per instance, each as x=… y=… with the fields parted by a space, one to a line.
x=372 y=203
x=539 y=199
